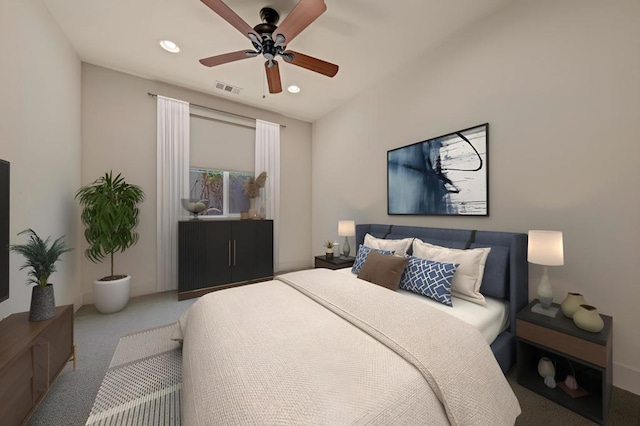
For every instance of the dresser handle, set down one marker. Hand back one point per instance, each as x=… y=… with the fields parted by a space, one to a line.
x=229 y=256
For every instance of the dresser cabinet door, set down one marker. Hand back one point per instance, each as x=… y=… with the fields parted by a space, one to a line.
x=263 y=261
x=219 y=253
x=204 y=254
x=16 y=390
x=41 y=368
x=244 y=248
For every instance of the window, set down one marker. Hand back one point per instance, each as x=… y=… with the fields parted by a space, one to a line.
x=223 y=189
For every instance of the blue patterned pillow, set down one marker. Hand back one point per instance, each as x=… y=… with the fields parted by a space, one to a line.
x=429 y=278
x=363 y=252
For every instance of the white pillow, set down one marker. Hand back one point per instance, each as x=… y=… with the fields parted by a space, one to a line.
x=468 y=277
x=399 y=247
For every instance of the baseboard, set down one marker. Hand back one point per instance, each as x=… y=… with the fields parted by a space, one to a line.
x=78 y=302
x=626 y=378
x=285 y=267
x=87 y=298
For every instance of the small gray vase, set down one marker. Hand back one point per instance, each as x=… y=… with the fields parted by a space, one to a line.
x=43 y=304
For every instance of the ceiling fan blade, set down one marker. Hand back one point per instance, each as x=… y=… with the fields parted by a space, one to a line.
x=310 y=63
x=212 y=61
x=273 y=77
x=231 y=17
x=303 y=14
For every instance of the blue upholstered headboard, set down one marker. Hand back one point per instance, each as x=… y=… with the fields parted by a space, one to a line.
x=506 y=273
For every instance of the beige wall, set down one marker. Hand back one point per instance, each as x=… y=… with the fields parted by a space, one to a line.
x=119 y=133
x=559 y=83
x=40 y=136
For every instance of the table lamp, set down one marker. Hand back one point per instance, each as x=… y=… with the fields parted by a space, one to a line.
x=346 y=229
x=545 y=248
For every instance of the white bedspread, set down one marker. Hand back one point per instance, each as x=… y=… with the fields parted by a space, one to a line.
x=319 y=347
x=490 y=319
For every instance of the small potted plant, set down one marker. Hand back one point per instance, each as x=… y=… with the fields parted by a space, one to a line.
x=329 y=249
x=41 y=259
x=110 y=215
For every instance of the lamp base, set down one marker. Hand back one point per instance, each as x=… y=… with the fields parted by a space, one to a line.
x=345 y=248
x=550 y=312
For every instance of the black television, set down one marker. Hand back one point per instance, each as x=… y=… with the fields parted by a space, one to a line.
x=4 y=230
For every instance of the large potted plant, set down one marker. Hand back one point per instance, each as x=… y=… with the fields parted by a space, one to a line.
x=110 y=215
x=41 y=260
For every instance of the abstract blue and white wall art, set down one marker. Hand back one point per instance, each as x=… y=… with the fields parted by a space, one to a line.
x=447 y=175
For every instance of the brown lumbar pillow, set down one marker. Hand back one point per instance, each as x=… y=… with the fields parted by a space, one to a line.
x=383 y=269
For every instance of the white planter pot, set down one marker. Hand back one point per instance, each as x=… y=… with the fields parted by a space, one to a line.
x=111 y=296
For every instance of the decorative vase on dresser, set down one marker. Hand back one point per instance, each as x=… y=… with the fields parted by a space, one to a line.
x=587 y=318
x=571 y=303
x=253 y=214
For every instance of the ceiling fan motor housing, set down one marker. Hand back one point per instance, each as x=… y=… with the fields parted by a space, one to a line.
x=266 y=29
x=269 y=15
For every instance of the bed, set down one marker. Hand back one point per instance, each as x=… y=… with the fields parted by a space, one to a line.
x=506 y=275
x=325 y=347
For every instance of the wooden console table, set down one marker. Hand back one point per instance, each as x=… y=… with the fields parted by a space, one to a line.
x=32 y=354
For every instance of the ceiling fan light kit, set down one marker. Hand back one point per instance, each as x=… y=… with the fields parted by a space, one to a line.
x=270 y=40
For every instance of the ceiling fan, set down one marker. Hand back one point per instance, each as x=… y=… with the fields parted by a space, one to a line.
x=270 y=40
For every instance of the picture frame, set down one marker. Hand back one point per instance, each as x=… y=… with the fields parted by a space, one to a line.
x=444 y=176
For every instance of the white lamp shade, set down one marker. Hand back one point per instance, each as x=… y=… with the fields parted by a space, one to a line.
x=545 y=248
x=346 y=228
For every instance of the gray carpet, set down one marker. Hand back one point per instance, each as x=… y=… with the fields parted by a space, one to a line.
x=71 y=398
x=96 y=336
x=537 y=410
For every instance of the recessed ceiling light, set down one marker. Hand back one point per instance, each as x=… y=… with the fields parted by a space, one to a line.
x=293 y=89
x=169 y=46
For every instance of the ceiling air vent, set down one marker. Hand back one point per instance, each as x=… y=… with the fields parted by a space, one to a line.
x=228 y=88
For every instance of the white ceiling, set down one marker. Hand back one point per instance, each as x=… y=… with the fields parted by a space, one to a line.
x=368 y=39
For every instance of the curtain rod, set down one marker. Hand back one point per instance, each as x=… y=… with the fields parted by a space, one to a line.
x=153 y=95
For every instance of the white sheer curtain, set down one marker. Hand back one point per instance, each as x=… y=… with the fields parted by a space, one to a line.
x=172 y=185
x=268 y=159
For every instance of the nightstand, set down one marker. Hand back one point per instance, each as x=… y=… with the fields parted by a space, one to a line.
x=335 y=263
x=585 y=355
